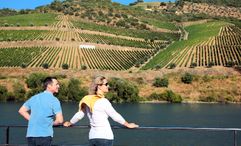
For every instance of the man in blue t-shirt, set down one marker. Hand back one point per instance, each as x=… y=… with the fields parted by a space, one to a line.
x=45 y=112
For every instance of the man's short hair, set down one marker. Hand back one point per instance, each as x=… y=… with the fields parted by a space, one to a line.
x=47 y=81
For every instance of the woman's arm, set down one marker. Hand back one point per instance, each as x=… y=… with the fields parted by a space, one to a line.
x=78 y=116
x=130 y=125
x=117 y=117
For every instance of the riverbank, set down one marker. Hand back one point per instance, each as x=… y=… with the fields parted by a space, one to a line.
x=187 y=102
x=219 y=84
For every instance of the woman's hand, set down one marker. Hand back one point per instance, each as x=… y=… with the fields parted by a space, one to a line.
x=131 y=125
x=67 y=124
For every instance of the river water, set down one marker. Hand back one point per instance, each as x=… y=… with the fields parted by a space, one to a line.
x=161 y=115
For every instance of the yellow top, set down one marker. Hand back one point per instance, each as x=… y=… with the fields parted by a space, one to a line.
x=89 y=100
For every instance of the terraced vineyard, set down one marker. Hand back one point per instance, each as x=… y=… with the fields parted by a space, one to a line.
x=69 y=33
x=221 y=50
x=75 y=57
x=20 y=35
x=15 y=57
x=59 y=43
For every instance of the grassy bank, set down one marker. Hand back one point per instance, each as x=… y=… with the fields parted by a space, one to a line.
x=217 y=84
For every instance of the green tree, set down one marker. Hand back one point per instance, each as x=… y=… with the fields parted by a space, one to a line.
x=122 y=91
x=75 y=92
x=19 y=92
x=63 y=92
x=35 y=80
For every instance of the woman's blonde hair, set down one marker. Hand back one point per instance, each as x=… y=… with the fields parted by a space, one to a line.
x=99 y=80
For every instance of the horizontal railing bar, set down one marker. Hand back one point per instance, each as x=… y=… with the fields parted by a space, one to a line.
x=143 y=128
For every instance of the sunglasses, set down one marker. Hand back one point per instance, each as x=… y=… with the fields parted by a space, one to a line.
x=106 y=84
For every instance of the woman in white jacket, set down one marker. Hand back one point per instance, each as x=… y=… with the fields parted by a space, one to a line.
x=98 y=109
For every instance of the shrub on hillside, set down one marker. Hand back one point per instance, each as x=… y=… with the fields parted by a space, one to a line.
x=122 y=91
x=168 y=96
x=187 y=78
x=35 y=80
x=171 y=65
x=138 y=64
x=140 y=80
x=158 y=66
x=74 y=91
x=172 y=97
x=158 y=82
x=6 y=24
x=83 y=67
x=45 y=65
x=157 y=96
x=211 y=64
x=121 y=23
x=31 y=24
x=10 y=96
x=65 y=66
x=193 y=65
x=19 y=92
x=208 y=99
x=3 y=93
x=63 y=92
x=23 y=65
x=230 y=63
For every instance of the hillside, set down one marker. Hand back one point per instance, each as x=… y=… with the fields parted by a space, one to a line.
x=94 y=34
x=232 y=3
x=193 y=10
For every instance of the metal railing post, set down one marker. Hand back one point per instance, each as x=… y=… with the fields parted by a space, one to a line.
x=7 y=135
x=235 y=138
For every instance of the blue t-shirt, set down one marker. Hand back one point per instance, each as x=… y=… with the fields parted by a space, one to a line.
x=43 y=107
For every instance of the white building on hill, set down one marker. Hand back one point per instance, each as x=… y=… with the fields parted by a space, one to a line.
x=86 y=46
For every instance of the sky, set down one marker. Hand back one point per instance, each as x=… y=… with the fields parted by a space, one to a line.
x=31 y=4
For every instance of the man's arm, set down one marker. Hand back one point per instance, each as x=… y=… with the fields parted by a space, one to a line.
x=59 y=119
x=24 y=112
